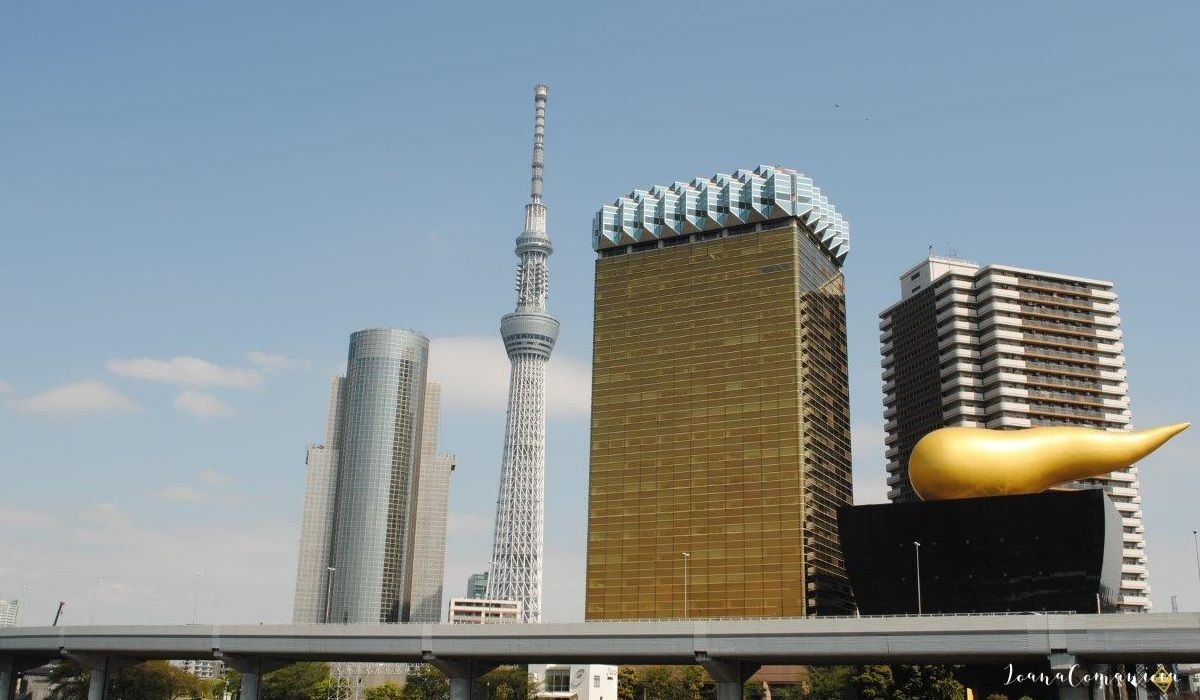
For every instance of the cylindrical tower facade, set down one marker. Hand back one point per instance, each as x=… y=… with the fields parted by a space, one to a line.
x=381 y=442
x=529 y=334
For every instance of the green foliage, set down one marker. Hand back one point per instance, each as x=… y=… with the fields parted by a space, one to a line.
x=915 y=682
x=153 y=680
x=1024 y=697
x=828 y=682
x=425 y=683
x=873 y=682
x=998 y=696
x=69 y=681
x=388 y=691
x=506 y=683
x=627 y=682
x=664 y=683
x=296 y=682
x=787 y=692
x=753 y=690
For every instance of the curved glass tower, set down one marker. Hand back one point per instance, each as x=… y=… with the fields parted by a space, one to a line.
x=529 y=334
x=376 y=489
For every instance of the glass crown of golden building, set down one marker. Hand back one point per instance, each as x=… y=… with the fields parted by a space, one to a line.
x=746 y=197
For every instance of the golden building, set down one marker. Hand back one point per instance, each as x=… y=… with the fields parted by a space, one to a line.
x=720 y=437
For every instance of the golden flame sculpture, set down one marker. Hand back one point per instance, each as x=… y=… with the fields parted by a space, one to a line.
x=972 y=462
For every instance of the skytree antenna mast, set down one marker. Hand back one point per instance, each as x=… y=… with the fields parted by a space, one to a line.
x=529 y=334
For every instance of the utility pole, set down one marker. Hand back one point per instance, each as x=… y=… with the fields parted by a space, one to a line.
x=95 y=597
x=686 y=556
x=196 y=597
x=917 y=546
x=1196 y=543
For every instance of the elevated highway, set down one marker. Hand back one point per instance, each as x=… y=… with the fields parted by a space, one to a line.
x=731 y=650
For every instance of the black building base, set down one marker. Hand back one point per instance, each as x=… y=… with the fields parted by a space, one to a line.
x=1055 y=551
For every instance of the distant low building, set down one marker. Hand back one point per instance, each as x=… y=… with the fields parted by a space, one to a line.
x=483 y=611
x=10 y=613
x=201 y=668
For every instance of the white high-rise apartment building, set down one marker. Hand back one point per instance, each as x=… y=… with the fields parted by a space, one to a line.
x=10 y=613
x=1004 y=347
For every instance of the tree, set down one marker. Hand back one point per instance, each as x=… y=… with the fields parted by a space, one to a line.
x=296 y=682
x=388 y=691
x=153 y=680
x=69 y=681
x=827 y=682
x=997 y=696
x=873 y=682
x=627 y=683
x=914 y=682
x=425 y=683
x=507 y=683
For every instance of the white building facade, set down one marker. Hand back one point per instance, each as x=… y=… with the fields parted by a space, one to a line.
x=482 y=611
x=1005 y=347
x=575 y=681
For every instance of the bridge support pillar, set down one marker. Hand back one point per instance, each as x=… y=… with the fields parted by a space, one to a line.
x=730 y=676
x=102 y=669
x=462 y=674
x=252 y=670
x=8 y=677
x=1071 y=686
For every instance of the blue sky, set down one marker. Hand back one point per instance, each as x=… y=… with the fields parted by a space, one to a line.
x=211 y=180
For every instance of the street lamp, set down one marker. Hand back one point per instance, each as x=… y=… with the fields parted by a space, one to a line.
x=1196 y=543
x=917 y=548
x=686 y=556
x=196 y=598
x=329 y=590
x=95 y=596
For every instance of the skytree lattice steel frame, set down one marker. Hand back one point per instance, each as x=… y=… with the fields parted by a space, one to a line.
x=529 y=334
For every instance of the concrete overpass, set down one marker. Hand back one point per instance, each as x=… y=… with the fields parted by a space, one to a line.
x=730 y=650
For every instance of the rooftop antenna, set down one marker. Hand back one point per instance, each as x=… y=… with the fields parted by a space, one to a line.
x=540 y=94
x=951 y=250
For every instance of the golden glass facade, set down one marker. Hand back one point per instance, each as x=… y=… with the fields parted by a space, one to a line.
x=720 y=427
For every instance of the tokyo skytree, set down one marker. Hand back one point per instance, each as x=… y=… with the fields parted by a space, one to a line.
x=529 y=334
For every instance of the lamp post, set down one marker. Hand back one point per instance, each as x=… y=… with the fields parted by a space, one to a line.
x=95 y=597
x=686 y=556
x=1196 y=543
x=917 y=547
x=196 y=598
x=329 y=591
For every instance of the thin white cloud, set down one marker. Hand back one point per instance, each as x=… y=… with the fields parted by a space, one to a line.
x=469 y=524
x=201 y=404
x=273 y=362
x=143 y=571
x=6 y=388
x=106 y=514
x=187 y=371
x=89 y=396
x=180 y=494
x=473 y=372
x=215 y=478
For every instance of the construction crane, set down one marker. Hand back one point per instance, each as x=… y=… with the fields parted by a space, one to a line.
x=61 y=604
